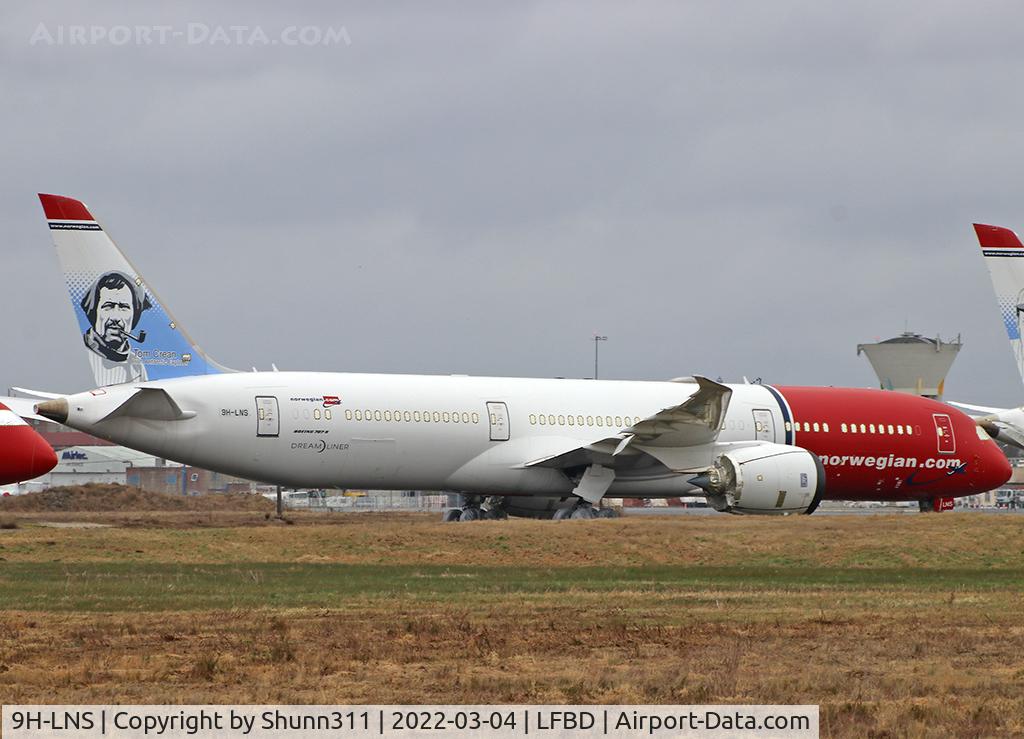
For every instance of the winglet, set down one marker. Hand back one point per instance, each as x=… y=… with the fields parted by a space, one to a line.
x=60 y=208
x=996 y=237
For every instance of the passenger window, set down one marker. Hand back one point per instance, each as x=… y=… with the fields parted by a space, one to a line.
x=377 y=416
x=789 y=426
x=807 y=426
x=618 y=421
x=871 y=427
x=359 y=415
x=571 y=420
x=436 y=416
x=316 y=414
x=543 y=421
x=407 y=416
x=348 y=415
x=816 y=427
x=262 y=414
x=387 y=415
x=327 y=414
x=416 y=416
x=608 y=420
x=899 y=430
x=561 y=420
x=455 y=417
x=446 y=417
x=476 y=417
x=600 y=421
x=465 y=417
x=551 y=419
x=533 y=419
x=842 y=427
x=863 y=428
x=590 y=420
x=824 y=427
x=579 y=420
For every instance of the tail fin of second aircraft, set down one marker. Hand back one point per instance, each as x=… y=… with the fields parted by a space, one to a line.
x=1004 y=257
x=127 y=333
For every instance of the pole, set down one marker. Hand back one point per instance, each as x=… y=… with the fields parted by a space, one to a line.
x=596 y=345
x=279 y=514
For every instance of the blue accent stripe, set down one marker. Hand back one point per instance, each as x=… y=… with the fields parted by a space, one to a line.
x=785 y=413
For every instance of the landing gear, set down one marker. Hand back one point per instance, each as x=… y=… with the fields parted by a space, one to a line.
x=471 y=513
x=583 y=511
x=473 y=508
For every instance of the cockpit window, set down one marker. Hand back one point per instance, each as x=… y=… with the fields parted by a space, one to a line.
x=982 y=434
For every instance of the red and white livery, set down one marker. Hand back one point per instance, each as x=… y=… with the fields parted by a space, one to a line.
x=24 y=454
x=510 y=445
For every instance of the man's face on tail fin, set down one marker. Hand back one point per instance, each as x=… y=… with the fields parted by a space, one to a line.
x=114 y=315
x=113 y=306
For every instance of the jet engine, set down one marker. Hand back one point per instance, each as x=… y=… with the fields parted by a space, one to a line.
x=765 y=479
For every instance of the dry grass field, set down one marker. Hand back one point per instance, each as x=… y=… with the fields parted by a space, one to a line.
x=895 y=625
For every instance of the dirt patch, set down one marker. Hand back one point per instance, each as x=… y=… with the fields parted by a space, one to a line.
x=112 y=498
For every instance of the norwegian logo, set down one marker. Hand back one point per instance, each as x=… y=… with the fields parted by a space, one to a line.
x=331 y=400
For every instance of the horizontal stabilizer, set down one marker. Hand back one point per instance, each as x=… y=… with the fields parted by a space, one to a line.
x=151 y=403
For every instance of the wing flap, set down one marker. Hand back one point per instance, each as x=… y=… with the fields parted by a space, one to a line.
x=693 y=423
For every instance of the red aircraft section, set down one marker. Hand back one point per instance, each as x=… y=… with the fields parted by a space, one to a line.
x=24 y=454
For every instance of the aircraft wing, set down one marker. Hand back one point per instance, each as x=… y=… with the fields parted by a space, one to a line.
x=24 y=407
x=974 y=410
x=1004 y=424
x=694 y=422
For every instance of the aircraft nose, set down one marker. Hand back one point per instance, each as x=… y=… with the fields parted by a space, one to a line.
x=25 y=454
x=997 y=469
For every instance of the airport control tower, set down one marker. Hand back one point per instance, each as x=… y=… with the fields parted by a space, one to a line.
x=910 y=363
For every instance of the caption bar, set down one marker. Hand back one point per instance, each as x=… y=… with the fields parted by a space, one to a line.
x=263 y=722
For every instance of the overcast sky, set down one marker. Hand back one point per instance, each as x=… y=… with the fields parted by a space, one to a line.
x=721 y=188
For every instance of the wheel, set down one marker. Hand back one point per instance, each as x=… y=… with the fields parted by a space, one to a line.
x=486 y=514
x=607 y=513
x=584 y=513
x=495 y=514
x=452 y=514
x=561 y=514
x=470 y=514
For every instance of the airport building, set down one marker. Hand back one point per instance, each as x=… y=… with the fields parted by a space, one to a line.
x=911 y=363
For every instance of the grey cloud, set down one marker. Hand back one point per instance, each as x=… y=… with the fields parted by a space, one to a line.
x=748 y=188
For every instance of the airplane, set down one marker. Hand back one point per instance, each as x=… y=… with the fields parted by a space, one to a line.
x=545 y=448
x=24 y=454
x=1003 y=253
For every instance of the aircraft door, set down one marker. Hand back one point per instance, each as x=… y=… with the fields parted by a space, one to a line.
x=944 y=433
x=268 y=422
x=764 y=425
x=497 y=415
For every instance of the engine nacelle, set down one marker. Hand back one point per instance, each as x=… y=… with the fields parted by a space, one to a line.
x=766 y=479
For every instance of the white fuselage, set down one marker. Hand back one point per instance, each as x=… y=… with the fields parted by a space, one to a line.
x=469 y=434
